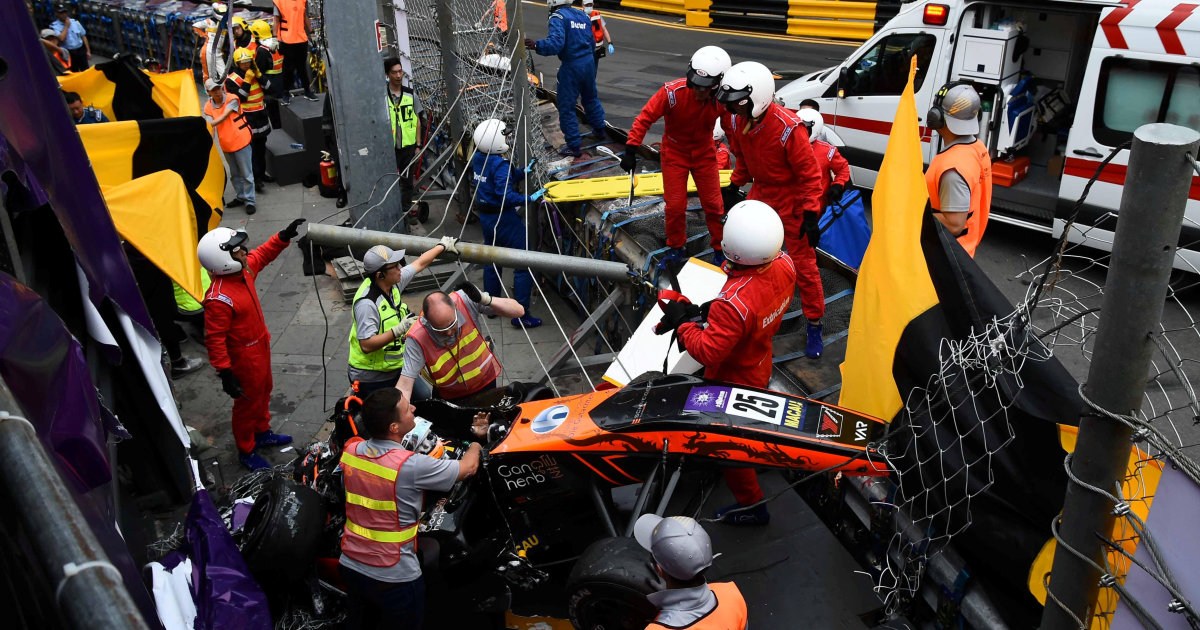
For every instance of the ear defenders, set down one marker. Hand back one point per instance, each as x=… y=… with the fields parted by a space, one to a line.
x=935 y=118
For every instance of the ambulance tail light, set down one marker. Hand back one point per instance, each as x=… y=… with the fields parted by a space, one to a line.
x=936 y=14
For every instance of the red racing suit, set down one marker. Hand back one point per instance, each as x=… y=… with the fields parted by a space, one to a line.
x=735 y=345
x=775 y=153
x=236 y=336
x=830 y=161
x=724 y=157
x=687 y=147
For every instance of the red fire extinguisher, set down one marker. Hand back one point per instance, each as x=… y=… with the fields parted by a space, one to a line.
x=329 y=175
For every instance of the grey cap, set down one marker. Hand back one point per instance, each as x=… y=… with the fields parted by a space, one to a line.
x=211 y=84
x=381 y=255
x=678 y=543
x=961 y=105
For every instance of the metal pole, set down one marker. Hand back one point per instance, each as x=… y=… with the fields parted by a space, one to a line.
x=522 y=94
x=445 y=23
x=337 y=236
x=89 y=591
x=1148 y=226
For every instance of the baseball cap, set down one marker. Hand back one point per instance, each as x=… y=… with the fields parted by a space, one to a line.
x=210 y=85
x=48 y=32
x=961 y=105
x=678 y=543
x=381 y=255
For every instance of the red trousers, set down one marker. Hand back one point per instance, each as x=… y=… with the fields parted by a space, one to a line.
x=251 y=412
x=808 y=277
x=677 y=163
x=743 y=483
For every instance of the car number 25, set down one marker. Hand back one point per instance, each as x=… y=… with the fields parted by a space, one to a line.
x=756 y=406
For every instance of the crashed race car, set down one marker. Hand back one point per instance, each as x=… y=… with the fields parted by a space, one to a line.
x=544 y=528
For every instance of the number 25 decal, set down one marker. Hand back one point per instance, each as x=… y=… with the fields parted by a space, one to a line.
x=755 y=406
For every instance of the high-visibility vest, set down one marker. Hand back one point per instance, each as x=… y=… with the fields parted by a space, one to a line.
x=597 y=26
x=730 y=613
x=975 y=165
x=463 y=368
x=184 y=301
x=391 y=356
x=254 y=94
x=233 y=133
x=291 y=21
x=276 y=63
x=500 y=15
x=373 y=534
x=404 y=115
x=65 y=60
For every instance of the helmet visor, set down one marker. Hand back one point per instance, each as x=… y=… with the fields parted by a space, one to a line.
x=237 y=240
x=730 y=95
x=698 y=79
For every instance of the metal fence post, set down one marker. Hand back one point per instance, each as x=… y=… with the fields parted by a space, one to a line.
x=449 y=45
x=1148 y=227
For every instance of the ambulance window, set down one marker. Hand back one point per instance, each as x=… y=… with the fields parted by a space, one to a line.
x=883 y=70
x=1136 y=92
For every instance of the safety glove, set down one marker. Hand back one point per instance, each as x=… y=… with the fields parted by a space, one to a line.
x=530 y=44
x=481 y=298
x=405 y=324
x=811 y=228
x=451 y=245
x=230 y=383
x=629 y=162
x=676 y=313
x=288 y=233
x=732 y=195
x=834 y=195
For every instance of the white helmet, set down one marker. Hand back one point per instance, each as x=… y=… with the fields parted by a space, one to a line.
x=489 y=136
x=554 y=4
x=707 y=66
x=718 y=131
x=814 y=121
x=270 y=44
x=753 y=234
x=214 y=249
x=748 y=80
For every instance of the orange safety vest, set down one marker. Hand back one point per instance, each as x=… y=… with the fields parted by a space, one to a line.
x=254 y=98
x=291 y=21
x=276 y=63
x=973 y=163
x=64 y=60
x=464 y=368
x=730 y=613
x=500 y=15
x=233 y=133
x=597 y=28
x=373 y=534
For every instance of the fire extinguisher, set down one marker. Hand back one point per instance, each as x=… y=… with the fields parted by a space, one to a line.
x=329 y=175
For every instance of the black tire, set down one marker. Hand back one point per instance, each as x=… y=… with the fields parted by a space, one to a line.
x=422 y=211
x=607 y=588
x=283 y=531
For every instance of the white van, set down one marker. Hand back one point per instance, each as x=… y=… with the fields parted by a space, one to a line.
x=1063 y=82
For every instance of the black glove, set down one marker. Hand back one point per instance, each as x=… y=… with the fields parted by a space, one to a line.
x=731 y=196
x=677 y=313
x=479 y=297
x=288 y=233
x=629 y=162
x=230 y=384
x=834 y=195
x=530 y=44
x=811 y=228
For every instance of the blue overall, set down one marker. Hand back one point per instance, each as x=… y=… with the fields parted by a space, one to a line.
x=497 y=200
x=571 y=39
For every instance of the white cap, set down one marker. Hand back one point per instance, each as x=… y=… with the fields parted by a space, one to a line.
x=210 y=85
x=961 y=105
x=381 y=255
x=679 y=544
x=48 y=32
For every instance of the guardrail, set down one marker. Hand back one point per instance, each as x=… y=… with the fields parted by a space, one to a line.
x=840 y=19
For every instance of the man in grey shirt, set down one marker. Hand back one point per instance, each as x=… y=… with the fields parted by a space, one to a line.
x=382 y=586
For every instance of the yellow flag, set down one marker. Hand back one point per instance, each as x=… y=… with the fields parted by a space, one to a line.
x=894 y=286
x=154 y=213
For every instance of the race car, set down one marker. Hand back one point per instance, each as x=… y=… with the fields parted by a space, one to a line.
x=544 y=528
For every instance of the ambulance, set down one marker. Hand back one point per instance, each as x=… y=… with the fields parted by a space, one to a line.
x=1063 y=84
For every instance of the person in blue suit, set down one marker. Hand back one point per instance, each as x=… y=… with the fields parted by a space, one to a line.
x=571 y=39
x=497 y=201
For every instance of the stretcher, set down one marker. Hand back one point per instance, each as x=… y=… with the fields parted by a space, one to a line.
x=645 y=185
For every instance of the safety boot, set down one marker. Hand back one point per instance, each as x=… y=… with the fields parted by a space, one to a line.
x=815 y=345
x=526 y=321
x=271 y=438
x=253 y=461
x=737 y=514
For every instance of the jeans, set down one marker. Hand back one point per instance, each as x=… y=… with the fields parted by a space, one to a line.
x=241 y=172
x=375 y=604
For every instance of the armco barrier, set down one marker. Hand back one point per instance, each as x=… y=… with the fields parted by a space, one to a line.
x=841 y=19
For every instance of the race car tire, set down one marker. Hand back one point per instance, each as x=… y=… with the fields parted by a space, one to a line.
x=607 y=587
x=283 y=531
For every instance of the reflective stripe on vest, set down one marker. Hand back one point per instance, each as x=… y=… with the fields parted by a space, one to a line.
x=373 y=533
x=730 y=611
x=233 y=133
x=291 y=21
x=254 y=97
x=464 y=368
x=975 y=166
x=276 y=63
x=405 y=114
x=390 y=357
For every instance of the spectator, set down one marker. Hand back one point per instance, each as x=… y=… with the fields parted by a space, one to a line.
x=292 y=29
x=224 y=113
x=404 y=114
x=73 y=37
x=60 y=59
x=80 y=114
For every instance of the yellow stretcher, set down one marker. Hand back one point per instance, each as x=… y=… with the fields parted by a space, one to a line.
x=645 y=185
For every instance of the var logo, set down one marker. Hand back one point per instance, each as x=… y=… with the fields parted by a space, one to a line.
x=549 y=419
x=860 y=430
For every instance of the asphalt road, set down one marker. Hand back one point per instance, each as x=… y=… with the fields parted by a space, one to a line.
x=652 y=49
